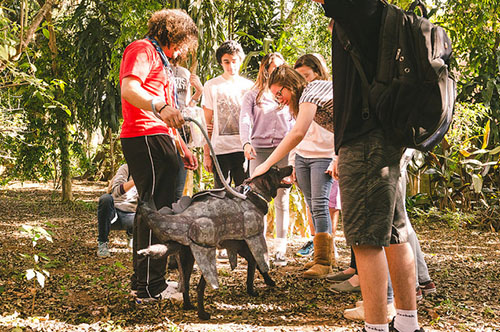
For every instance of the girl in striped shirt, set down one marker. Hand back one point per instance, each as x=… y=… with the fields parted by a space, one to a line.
x=312 y=106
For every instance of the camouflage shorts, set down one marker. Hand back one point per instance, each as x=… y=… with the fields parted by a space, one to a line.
x=373 y=209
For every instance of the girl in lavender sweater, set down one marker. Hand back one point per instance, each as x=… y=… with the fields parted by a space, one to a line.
x=263 y=124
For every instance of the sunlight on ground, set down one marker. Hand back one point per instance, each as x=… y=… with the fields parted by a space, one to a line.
x=82 y=186
x=252 y=328
x=248 y=306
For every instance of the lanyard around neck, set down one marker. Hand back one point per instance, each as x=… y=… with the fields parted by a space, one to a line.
x=167 y=66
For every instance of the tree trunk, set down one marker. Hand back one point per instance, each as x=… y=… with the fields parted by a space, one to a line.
x=67 y=194
x=62 y=119
x=112 y=151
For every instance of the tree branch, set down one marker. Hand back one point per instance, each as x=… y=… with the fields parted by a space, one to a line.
x=13 y=85
x=25 y=40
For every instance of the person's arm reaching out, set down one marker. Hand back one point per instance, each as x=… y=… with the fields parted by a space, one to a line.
x=307 y=111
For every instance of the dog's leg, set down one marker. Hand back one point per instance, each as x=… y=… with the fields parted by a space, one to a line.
x=251 y=261
x=186 y=261
x=267 y=279
x=202 y=314
x=245 y=253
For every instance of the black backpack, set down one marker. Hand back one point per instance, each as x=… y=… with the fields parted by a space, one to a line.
x=413 y=93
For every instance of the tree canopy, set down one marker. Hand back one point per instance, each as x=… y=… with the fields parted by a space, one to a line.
x=59 y=88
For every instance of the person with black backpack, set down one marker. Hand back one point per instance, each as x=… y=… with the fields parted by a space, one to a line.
x=368 y=166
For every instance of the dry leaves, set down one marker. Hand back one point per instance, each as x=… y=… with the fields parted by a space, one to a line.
x=84 y=293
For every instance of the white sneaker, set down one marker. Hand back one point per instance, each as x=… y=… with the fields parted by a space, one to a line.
x=279 y=259
x=103 y=250
x=170 y=292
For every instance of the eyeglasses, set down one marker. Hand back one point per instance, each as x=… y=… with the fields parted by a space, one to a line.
x=279 y=95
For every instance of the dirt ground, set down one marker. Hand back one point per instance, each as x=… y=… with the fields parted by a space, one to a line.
x=84 y=293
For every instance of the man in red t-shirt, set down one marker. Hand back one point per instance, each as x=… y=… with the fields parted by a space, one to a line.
x=149 y=139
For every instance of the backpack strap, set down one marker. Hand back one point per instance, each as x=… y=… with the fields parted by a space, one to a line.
x=388 y=49
x=356 y=59
x=419 y=4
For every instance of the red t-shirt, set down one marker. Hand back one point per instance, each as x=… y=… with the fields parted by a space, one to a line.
x=142 y=61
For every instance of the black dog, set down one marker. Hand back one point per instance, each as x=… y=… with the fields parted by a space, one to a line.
x=216 y=219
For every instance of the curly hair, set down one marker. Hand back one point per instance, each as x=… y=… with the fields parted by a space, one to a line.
x=173 y=27
x=289 y=78
x=229 y=47
x=315 y=63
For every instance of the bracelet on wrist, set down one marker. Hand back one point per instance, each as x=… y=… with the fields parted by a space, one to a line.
x=161 y=109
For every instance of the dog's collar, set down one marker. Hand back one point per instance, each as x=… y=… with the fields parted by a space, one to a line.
x=258 y=199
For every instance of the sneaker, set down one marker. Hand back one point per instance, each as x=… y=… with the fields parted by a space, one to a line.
x=338 y=277
x=279 y=259
x=393 y=329
x=306 y=250
x=419 y=294
x=170 y=292
x=103 y=250
x=428 y=287
x=344 y=287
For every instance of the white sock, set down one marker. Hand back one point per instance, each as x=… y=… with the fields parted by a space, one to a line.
x=406 y=320
x=376 y=327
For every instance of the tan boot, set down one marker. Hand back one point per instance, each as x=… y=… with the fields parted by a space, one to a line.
x=322 y=257
x=308 y=265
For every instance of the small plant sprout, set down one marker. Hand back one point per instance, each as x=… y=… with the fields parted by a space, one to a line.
x=36 y=233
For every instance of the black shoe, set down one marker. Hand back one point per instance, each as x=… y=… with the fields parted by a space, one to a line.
x=393 y=329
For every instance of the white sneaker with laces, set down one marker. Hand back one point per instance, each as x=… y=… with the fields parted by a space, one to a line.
x=103 y=250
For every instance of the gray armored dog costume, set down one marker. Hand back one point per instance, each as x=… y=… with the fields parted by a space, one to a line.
x=209 y=218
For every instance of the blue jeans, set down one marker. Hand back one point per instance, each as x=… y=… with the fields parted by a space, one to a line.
x=315 y=185
x=106 y=212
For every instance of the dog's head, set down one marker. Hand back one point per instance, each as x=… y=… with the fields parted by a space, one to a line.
x=268 y=183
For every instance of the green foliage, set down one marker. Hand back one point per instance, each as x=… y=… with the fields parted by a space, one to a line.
x=463 y=172
x=308 y=32
x=95 y=23
x=51 y=109
x=474 y=29
x=453 y=219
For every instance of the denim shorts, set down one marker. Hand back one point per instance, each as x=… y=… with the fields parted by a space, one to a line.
x=372 y=200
